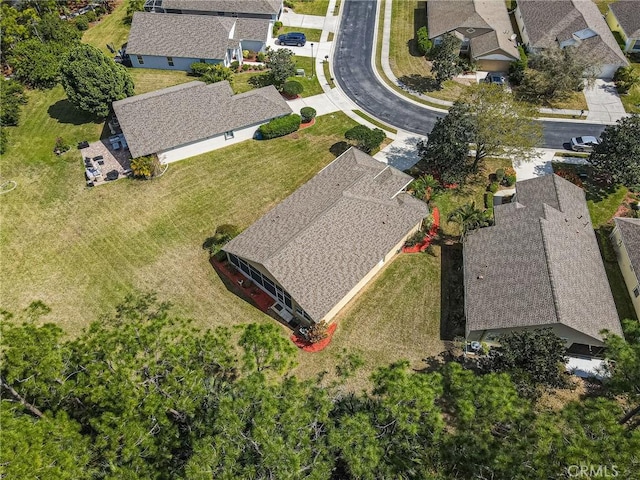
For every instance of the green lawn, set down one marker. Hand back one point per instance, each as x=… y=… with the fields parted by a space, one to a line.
x=149 y=79
x=312 y=34
x=241 y=81
x=631 y=100
x=111 y=29
x=311 y=7
x=81 y=250
x=396 y=317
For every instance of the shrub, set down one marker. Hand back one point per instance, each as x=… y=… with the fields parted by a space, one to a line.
x=261 y=56
x=277 y=26
x=4 y=141
x=246 y=53
x=12 y=97
x=288 y=3
x=145 y=167
x=494 y=187
x=223 y=234
x=245 y=67
x=364 y=138
x=500 y=175
x=307 y=114
x=509 y=177
x=279 y=127
x=82 y=23
x=61 y=146
x=625 y=78
x=414 y=239
x=200 y=68
x=422 y=40
x=91 y=16
x=488 y=200
x=317 y=332
x=234 y=65
x=292 y=88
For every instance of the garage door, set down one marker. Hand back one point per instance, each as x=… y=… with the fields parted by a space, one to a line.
x=493 y=65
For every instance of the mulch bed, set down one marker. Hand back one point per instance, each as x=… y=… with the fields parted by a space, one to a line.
x=308 y=124
x=428 y=238
x=314 y=347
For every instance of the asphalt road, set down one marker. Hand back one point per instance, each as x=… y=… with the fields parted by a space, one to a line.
x=353 y=72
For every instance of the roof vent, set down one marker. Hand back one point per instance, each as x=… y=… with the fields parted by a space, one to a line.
x=480 y=277
x=471 y=30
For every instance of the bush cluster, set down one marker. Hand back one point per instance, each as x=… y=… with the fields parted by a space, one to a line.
x=307 y=114
x=277 y=26
x=279 y=127
x=422 y=40
x=292 y=88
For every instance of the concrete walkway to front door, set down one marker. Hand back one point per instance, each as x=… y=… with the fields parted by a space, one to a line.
x=603 y=102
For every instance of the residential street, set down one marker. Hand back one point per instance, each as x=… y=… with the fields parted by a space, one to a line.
x=356 y=77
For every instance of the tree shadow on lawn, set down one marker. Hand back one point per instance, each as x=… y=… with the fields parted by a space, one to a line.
x=64 y=112
x=420 y=84
x=451 y=291
x=339 y=148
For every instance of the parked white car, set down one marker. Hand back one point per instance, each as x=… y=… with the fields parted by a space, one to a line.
x=584 y=144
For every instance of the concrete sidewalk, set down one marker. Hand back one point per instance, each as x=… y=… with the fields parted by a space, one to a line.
x=402 y=152
x=604 y=103
x=321 y=103
x=542 y=165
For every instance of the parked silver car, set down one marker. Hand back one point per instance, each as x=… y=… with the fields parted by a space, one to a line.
x=584 y=144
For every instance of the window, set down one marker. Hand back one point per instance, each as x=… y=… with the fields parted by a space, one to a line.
x=244 y=266
x=234 y=259
x=228 y=135
x=269 y=285
x=170 y=61
x=636 y=291
x=140 y=59
x=256 y=275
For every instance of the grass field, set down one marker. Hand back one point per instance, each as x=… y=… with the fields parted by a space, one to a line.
x=241 y=81
x=631 y=100
x=311 y=7
x=312 y=34
x=148 y=79
x=110 y=30
x=80 y=251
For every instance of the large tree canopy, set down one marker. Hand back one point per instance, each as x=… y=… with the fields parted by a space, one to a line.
x=93 y=81
x=618 y=155
x=143 y=394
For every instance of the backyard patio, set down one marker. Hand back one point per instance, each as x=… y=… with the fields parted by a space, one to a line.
x=104 y=163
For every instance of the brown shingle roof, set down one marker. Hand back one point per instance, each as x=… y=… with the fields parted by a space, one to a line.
x=550 y=21
x=174 y=35
x=329 y=234
x=193 y=111
x=228 y=6
x=447 y=15
x=630 y=232
x=539 y=265
x=252 y=29
x=627 y=13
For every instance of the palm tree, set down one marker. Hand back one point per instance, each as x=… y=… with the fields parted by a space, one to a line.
x=469 y=218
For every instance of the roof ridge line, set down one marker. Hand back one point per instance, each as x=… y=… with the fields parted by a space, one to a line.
x=549 y=275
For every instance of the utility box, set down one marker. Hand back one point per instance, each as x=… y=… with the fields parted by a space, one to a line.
x=300 y=72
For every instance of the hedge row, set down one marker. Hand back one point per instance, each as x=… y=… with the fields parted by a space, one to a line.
x=279 y=127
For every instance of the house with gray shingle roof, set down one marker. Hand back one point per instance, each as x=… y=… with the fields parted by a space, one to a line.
x=194 y=118
x=570 y=23
x=174 y=42
x=626 y=242
x=321 y=245
x=263 y=9
x=623 y=17
x=539 y=266
x=483 y=26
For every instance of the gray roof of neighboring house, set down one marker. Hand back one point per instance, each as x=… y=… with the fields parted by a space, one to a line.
x=190 y=112
x=630 y=233
x=539 y=265
x=550 y=21
x=175 y=35
x=229 y=6
x=329 y=234
x=252 y=29
x=627 y=13
x=446 y=15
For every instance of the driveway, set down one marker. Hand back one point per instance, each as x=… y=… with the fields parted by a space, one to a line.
x=355 y=76
x=604 y=102
x=291 y=19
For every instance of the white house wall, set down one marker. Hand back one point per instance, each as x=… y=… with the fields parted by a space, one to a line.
x=207 y=145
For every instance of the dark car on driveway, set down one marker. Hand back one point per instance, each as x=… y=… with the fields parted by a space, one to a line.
x=292 y=38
